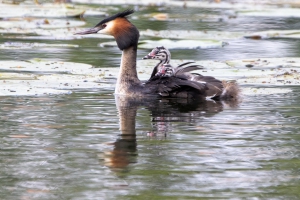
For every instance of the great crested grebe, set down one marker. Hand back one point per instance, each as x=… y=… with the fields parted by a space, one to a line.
x=127 y=36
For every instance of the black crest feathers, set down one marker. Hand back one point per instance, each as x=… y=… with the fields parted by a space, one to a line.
x=121 y=14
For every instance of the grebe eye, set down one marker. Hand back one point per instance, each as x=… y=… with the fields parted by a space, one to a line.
x=104 y=25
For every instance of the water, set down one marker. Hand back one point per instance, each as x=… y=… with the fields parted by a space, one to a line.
x=81 y=146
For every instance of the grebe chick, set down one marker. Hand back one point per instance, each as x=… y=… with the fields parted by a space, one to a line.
x=164 y=68
x=127 y=36
x=164 y=56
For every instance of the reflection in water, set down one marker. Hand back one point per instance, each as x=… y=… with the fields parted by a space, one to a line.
x=163 y=112
x=51 y=147
x=124 y=151
x=166 y=111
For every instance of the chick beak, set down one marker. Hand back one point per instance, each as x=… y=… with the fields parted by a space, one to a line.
x=89 y=31
x=149 y=56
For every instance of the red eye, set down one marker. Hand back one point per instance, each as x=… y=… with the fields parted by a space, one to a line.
x=104 y=25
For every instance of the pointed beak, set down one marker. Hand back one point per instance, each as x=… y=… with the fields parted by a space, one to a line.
x=89 y=31
x=149 y=56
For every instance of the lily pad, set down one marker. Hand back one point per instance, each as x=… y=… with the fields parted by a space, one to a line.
x=16 y=31
x=275 y=12
x=193 y=35
x=16 y=76
x=124 y=2
x=185 y=17
x=40 y=77
x=46 y=10
x=44 y=77
x=283 y=34
x=30 y=23
x=16 y=89
x=264 y=91
x=284 y=77
x=91 y=12
x=174 y=44
x=22 y=45
x=41 y=66
x=265 y=63
x=69 y=32
x=221 y=4
x=196 y=4
x=182 y=44
x=49 y=34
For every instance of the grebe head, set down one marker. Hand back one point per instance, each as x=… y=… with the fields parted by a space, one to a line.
x=125 y=33
x=159 y=53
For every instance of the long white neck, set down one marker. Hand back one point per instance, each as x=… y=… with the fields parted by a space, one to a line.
x=128 y=82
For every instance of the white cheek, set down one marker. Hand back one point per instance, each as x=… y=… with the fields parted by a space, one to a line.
x=107 y=30
x=104 y=32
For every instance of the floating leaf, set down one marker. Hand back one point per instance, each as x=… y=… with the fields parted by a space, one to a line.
x=266 y=63
x=40 y=77
x=196 y=35
x=195 y=4
x=49 y=34
x=182 y=44
x=22 y=45
x=16 y=31
x=16 y=76
x=12 y=88
x=69 y=32
x=283 y=34
x=123 y=2
x=44 y=77
x=41 y=66
x=40 y=23
x=45 y=10
x=174 y=44
x=94 y=13
x=179 y=17
x=264 y=91
x=161 y=16
x=222 y=4
x=275 y=12
x=18 y=136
